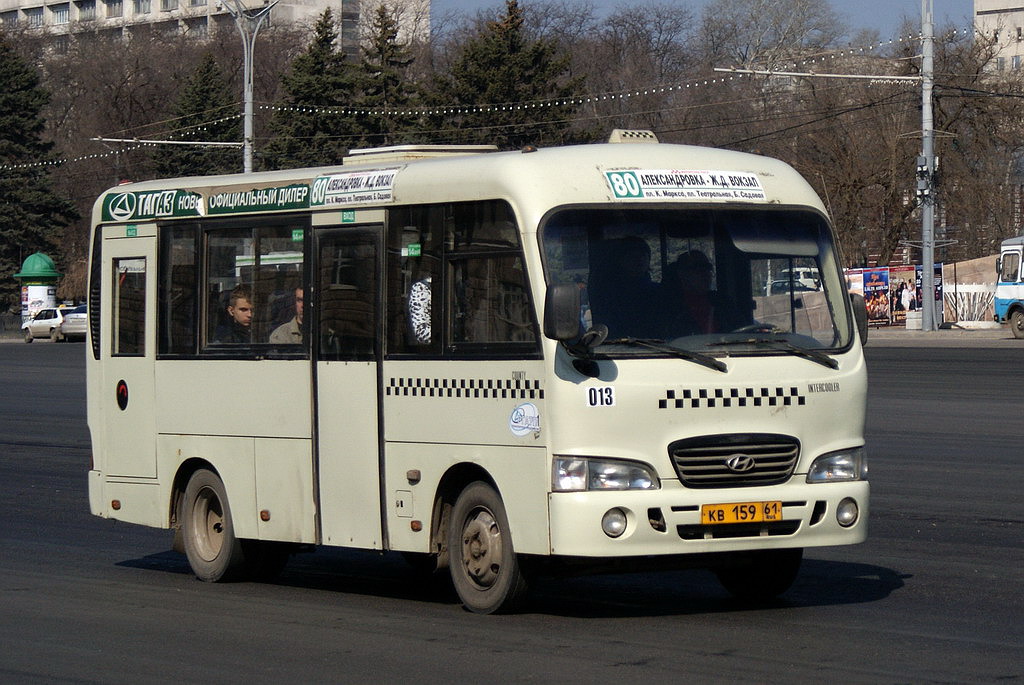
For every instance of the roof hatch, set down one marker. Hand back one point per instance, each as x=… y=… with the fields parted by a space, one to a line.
x=405 y=153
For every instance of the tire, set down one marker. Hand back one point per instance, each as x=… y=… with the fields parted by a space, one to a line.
x=484 y=568
x=213 y=551
x=1017 y=323
x=28 y=336
x=759 y=576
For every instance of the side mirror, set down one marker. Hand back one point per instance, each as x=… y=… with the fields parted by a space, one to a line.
x=999 y=266
x=562 y=312
x=860 y=315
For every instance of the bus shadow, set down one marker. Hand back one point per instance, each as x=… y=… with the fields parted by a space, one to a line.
x=342 y=571
x=821 y=583
x=697 y=591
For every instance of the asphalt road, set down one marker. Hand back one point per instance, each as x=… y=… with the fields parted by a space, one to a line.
x=933 y=596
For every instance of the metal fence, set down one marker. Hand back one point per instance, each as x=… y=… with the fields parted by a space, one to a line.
x=10 y=325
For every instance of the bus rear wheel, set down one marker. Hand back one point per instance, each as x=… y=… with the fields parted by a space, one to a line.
x=1017 y=323
x=760 y=575
x=485 y=570
x=213 y=551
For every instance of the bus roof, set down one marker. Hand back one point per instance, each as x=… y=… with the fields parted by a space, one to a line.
x=534 y=180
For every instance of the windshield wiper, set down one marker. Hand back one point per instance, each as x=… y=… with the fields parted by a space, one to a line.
x=661 y=346
x=806 y=353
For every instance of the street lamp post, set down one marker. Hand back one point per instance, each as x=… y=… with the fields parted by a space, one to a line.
x=248 y=20
x=926 y=170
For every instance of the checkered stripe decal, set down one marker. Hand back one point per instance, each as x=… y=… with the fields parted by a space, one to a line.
x=732 y=397
x=473 y=388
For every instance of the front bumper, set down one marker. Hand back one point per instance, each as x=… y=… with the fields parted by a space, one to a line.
x=668 y=521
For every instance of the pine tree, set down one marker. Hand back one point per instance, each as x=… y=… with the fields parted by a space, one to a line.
x=32 y=216
x=500 y=67
x=204 y=111
x=384 y=88
x=308 y=129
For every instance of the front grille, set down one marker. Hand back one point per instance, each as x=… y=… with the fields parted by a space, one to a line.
x=704 y=462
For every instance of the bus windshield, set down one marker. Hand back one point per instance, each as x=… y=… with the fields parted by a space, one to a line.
x=741 y=281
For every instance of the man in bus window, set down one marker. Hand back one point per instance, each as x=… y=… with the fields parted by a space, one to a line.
x=290 y=332
x=697 y=308
x=238 y=327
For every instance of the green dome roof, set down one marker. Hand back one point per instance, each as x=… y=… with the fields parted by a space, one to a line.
x=38 y=265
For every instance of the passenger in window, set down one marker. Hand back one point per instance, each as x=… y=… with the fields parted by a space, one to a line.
x=419 y=310
x=622 y=295
x=697 y=308
x=238 y=327
x=290 y=332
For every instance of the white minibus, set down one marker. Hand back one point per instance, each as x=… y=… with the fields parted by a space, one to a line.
x=494 y=363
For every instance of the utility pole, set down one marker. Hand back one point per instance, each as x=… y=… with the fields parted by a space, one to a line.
x=926 y=170
x=248 y=20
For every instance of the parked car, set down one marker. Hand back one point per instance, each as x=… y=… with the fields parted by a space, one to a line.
x=808 y=276
x=74 y=325
x=45 y=324
x=781 y=287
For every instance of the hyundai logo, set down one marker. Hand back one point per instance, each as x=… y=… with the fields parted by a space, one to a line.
x=740 y=463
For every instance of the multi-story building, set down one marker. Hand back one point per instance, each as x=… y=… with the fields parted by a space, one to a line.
x=1002 y=20
x=64 y=18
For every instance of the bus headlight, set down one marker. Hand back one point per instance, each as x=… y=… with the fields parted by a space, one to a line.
x=844 y=465
x=575 y=474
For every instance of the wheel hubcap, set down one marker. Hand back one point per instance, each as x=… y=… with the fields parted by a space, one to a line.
x=481 y=548
x=208 y=517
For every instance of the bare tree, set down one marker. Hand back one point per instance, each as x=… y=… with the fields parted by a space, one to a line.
x=767 y=33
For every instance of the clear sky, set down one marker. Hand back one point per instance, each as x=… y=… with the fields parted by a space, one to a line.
x=883 y=15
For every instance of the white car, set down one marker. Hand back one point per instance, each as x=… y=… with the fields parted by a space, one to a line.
x=74 y=325
x=45 y=324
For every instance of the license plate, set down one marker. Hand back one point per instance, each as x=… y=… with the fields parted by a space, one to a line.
x=740 y=512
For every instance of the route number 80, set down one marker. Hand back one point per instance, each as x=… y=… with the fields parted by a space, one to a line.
x=624 y=184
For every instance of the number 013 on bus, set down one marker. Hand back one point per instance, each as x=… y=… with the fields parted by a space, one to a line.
x=485 y=361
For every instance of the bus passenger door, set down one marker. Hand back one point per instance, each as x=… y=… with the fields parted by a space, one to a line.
x=128 y=348
x=346 y=343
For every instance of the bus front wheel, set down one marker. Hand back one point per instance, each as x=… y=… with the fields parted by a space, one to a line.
x=213 y=551
x=1017 y=323
x=485 y=571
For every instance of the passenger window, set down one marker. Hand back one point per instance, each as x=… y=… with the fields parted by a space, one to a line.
x=178 y=288
x=251 y=282
x=490 y=303
x=479 y=303
x=414 y=279
x=1011 y=266
x=129 y=306
x=347 y=300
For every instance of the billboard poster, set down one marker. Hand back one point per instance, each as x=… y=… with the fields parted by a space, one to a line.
x=36 y=297
x=902 y=293
x=876 y=295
